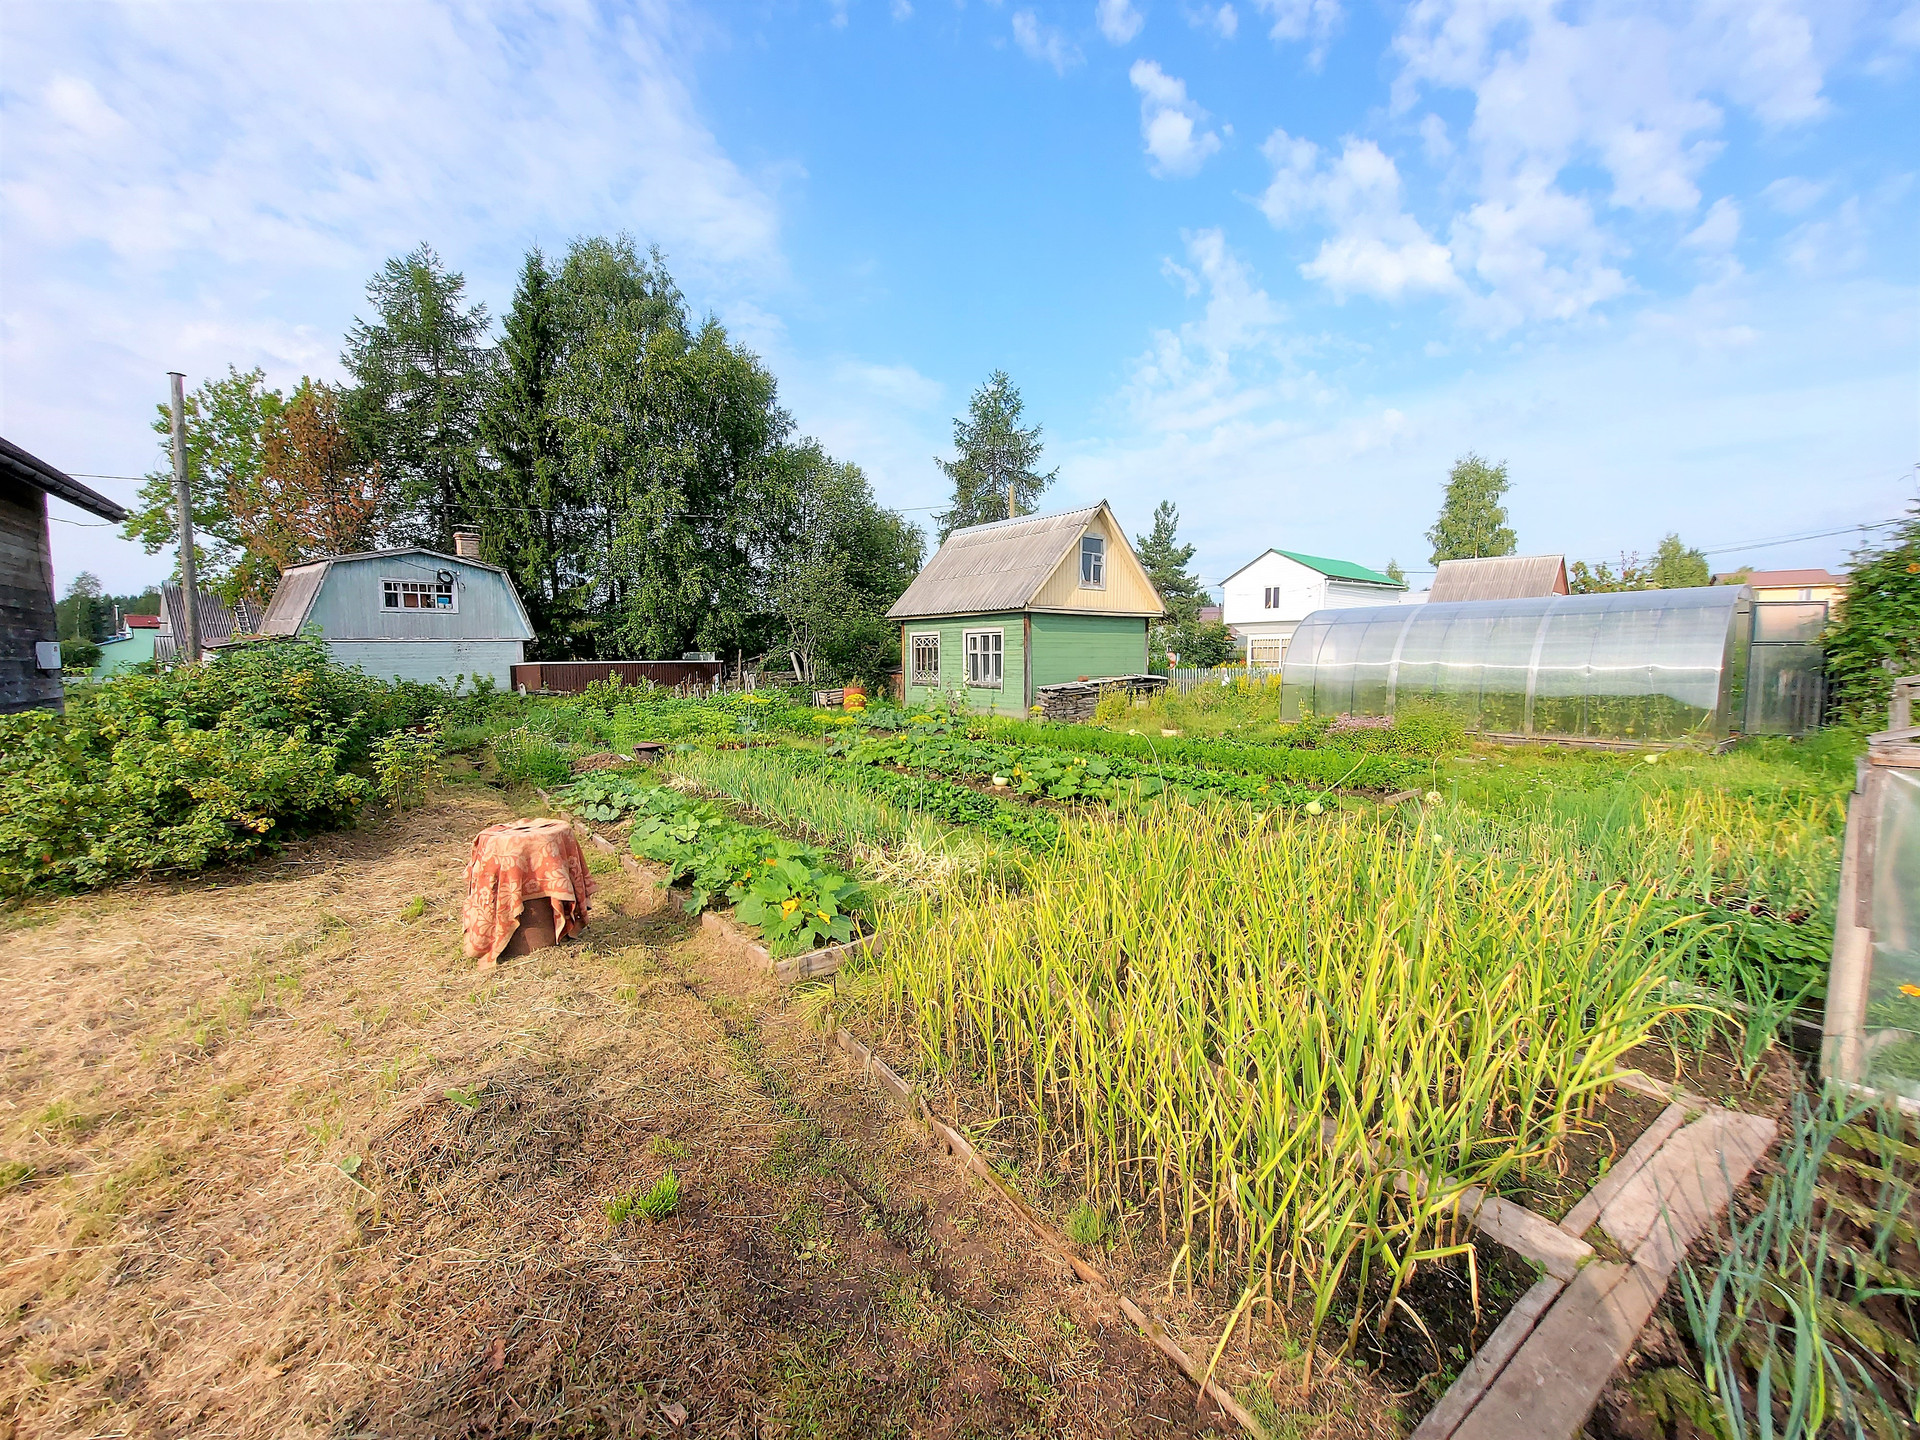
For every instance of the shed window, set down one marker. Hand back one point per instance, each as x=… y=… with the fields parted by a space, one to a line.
x=1093 y=562
x=985 y=657
x=418 y=594
x=926 y=659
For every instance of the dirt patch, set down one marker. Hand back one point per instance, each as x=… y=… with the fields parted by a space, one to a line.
x=1584 y=1154
x=276 y=1160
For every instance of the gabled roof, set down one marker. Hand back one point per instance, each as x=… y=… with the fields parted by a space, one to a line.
x=1499 y=577
x=1332 y=569
x=999 y=566
x=141 y=622
x=218 y=621
x=19 y=465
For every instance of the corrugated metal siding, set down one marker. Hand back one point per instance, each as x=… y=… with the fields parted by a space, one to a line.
x=1010 y=698
x=349 y=605
x=571 y=677
x=1065 y=647
x=434 y=662
x=993 y=567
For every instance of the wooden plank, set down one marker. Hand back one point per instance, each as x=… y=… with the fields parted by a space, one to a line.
x=1680 y=1192
x=1488 y=1361
x=1525 y=1233
x=1547 y=1389
x=1580 y=1218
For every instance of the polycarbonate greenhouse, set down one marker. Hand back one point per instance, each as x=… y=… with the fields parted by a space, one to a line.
x=1635 y=666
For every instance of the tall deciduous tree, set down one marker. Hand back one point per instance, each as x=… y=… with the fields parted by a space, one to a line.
x=844 y=561
x=1472 y=520
x=83 y=613
x=1876 y=634
x=994 y=459
x=1677 y=567
x=225 y=418
x=420 y=370
x=315 y=494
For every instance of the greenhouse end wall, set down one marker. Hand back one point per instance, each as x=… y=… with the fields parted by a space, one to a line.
x=1634 y=666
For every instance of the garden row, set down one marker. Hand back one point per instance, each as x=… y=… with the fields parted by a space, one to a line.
x=791 y=892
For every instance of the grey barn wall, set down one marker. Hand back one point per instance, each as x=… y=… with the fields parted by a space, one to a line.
x=349 y=605
x=26 y=599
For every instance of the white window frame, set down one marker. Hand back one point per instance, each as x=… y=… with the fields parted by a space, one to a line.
x=989 y=648
x=1097 y=580
x=916 y=675
x=397 y=585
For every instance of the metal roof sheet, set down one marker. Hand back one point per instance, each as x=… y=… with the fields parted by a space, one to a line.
x=986 y=568
x=36 y=472
x=1342 y=569
x=1499 y=577
x=293 y=598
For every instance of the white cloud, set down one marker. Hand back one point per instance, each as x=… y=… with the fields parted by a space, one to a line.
x=1223 y=20
x=1792 y=194
x=1720 y=229
x=1310 y=20
x=1118 y=20
x=1045 y=43
x=1831 y=246
x=902 y=9
x=1173 y=127
x=1231 y=360
x=1376 y=247
x=1434 y=139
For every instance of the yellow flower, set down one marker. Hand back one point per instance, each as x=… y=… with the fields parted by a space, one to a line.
x=1910 y=989
x=787 y=906
x=823 y=915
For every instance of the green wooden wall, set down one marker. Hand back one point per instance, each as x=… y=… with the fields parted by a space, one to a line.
x=1065 y=647
x=1009 y=699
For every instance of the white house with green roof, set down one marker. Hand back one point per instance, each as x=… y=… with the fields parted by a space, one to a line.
x=1266 y=598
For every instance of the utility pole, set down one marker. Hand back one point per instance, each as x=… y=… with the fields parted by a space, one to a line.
x=189 y=587
x=1010 y=510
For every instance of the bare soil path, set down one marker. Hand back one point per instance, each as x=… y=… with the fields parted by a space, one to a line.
x=276 y=1160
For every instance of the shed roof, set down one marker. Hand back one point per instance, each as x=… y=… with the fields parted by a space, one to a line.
x=300 y=585
x=998 y=566
x=1499 y=577
x=32 y=470
x=1332 y=569
x=218 y=621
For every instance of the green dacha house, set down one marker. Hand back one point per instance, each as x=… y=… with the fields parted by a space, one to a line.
x=1003 y=609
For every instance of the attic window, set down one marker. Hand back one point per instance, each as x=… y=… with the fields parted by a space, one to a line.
x=1272 y=601
x=1093 y=563
x=418 y=594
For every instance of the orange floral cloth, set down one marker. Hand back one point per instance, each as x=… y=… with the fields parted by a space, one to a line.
x=517 y=862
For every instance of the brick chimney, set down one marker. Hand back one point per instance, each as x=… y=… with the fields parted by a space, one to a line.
x=466 y=544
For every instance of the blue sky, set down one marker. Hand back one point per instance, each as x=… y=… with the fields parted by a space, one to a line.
x=1279 y=261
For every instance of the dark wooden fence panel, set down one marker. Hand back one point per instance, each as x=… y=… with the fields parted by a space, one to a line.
x=570 y=677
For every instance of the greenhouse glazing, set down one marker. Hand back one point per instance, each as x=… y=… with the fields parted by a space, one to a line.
x=1633 y=666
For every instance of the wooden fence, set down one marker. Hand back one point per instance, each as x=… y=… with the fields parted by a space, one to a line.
x=570 y=677
x=1187 y=681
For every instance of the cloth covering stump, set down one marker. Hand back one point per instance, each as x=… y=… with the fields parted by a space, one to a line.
x=522 y=861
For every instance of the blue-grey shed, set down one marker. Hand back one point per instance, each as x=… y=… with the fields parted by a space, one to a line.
x=407 y=614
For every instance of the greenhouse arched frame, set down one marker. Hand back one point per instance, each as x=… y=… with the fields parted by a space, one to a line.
x=1626 y=667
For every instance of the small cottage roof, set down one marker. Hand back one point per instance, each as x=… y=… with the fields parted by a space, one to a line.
x=300 y=585
x=1777 y=579
x=1499 y=577
x=995 y=567
x=218 y=621
x=1332 y=569
x=17 y=464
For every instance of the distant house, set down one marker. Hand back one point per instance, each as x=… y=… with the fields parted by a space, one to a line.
x=131 y=647
x=1499 y=577
x=29 y=634
x=1788 y=584
x=1267 y=598
x=217 y=621
x=1005 y=608
x=408 y=614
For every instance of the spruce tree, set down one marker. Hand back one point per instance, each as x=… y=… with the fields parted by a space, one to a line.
x=993 y=456
x=420 y=370
x=1473 y=522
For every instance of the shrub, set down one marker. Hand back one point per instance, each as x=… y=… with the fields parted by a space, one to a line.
x=526 y=756
x=406 y=766
x=203 y=765
x=1876 y=635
